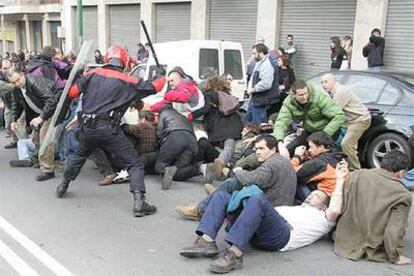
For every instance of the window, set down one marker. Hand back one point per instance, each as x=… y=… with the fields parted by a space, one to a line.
x=209 y=63
x=139 y=72
x=408 y=100
x=389 y=96
x=368 y=89
x=233 y=63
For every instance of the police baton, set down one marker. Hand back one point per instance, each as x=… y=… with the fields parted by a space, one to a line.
x=150 y=43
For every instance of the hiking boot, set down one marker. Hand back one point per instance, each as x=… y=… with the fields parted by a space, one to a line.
x=141 y=207
x=189 y=212
x=228 y=262
x=11 y=145
x=219 y=165
x=167 y=179
x=209 y=188
x=43 y=176
x=107 y=180
x=207 y=171
x=25 y=163
x=200 y=248
x=62 y=188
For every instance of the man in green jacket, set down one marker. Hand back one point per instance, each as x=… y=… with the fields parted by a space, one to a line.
x=314 y=109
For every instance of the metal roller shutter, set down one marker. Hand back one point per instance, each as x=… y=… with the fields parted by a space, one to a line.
x=90 y=24
x=313 y=23
x=234 y=20
x=124 y=26
x=399 y=39
x=172 y=21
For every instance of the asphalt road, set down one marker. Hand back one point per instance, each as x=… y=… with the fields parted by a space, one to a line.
x=92 y=232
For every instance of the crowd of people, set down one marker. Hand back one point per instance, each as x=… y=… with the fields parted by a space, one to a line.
x=280 y=176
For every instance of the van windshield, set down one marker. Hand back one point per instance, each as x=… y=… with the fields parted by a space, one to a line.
x=209 y=63
x=233 y=63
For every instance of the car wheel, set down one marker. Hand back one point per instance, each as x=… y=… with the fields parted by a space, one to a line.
x=383 y=144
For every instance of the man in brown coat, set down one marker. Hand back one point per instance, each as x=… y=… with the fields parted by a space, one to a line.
x=375 y=213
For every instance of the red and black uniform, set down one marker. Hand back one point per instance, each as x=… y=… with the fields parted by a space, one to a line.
x=106 y=94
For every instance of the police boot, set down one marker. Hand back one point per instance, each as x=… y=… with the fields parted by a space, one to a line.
x=141 y=207
x=62 y=188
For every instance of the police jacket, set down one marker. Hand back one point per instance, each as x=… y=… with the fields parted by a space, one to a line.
x=107 y=89
x=170 y=120
x=40 y=92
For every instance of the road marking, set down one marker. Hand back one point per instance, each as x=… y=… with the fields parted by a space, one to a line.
x=15 y=261
x=35 y=250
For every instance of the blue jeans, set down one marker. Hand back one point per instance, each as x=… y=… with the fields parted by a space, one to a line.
x=258 y=223
x=256 y=114
x=26 y=149
x=228 y=186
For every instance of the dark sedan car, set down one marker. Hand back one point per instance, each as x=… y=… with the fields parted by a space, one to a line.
x=390 y=98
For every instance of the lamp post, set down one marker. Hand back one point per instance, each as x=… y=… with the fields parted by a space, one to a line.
x=80 y=23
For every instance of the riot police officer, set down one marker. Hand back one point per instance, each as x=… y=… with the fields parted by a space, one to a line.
x=106 y=94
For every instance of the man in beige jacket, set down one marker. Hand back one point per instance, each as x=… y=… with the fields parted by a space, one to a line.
x=375 y=213
x=357 y=117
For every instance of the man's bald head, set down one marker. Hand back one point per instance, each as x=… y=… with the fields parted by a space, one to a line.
x=328 y=82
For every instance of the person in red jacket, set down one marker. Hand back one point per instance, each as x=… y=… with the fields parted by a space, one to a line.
x=107 y=92
x=183 y=94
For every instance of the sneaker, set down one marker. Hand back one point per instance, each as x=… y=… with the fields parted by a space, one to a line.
x=11 y=145
x=121 y=177
x=167 y=179
x=209 y=188
x=189 y=212
x=25 y=163
x=200 y=248
x=228 y=262
x=107 y=180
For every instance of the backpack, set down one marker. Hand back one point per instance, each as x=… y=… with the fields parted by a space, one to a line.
x=228 y=104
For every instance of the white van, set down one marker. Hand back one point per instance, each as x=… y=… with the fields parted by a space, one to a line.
x=199 y=59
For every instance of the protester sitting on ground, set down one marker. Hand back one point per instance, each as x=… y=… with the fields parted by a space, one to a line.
x=183 y=94
x=26 y=152
x=178 y=145
x=251 y=218
x=318 y=172
x=145 y=139
x=275 y=176
x=375 y=213
x=316 y=110
x=222 y=129
x=357 y=117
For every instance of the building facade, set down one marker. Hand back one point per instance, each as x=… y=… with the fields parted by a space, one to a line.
x=29 y=24
x=312 y=22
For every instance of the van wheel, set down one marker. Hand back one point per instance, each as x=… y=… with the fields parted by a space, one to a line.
x=383 y=144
